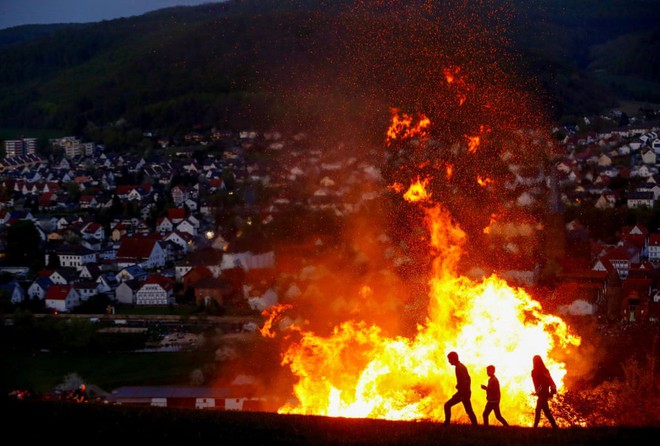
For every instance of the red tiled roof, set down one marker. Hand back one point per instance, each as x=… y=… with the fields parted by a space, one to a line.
x=639 y=240
x=53 y=187
x=161 y=280
x=197 y=273
x=624 y=252
x=606 y=264
x=136 y=247
x=58 y=292
x=124 y=189
x=176 y=213
x=654 y=239
x=92 y=228
x=46 y=198
x=627 y=230
x=641 y=285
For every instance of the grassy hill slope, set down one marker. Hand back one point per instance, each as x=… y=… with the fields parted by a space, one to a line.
x=90 y=423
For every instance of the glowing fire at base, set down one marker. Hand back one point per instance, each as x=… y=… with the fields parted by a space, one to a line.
x=358 y=372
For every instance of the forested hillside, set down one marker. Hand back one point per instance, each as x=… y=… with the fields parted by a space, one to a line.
x=239 y=63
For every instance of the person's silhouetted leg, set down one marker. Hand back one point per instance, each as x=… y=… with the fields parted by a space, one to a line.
x=448 y=406
x=470 y=412
x=487 y=410
x=550 y=418
x=499 y=416
x=537 y=416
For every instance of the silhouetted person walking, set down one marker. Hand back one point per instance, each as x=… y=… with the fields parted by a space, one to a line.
x=545 y=388
x=463 y=390
x=493 y=396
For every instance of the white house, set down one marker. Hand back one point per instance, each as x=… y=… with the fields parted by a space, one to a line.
x=38 y=288
x=191 y=204
x=197 y=397
x=624 y=150
x=651 y=187
x=94 y=231
x=164 y=225
x=194 y=221
x=648 y=156
x=105 y=282
x=187 y=226
x=182 y=239
x=90 y=271
x=655 y=145
x=643 y=171
x=637 y=199
x=125 y=292
x=62 y=298
x=156 y=290
x=143 y=251
x=14 y=290
x=247 y=260
x=604 y=160
x=63 y=276
x=134 y=195
x=654 y=247
x=86 y=289
x=606 y=200
x=74 y=256
x=622 y=257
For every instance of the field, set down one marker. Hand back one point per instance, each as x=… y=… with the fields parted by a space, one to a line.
x=102 y=423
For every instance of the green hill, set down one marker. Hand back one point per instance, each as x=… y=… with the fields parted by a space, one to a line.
x=266 y=62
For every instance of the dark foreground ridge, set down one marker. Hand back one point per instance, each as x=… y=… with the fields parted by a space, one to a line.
x=94 y=424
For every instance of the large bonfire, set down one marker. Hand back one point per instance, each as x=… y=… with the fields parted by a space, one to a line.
x=361 y=368
x=357 y=371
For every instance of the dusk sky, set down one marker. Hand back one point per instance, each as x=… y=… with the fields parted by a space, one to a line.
x=24 y=12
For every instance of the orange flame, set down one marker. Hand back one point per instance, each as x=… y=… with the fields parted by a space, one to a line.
x=272 y=314
x=493 y=220
x=403 y=127
x=396 y=187
x=473 y=143
x=358 y=372
x=417 y=191
x=483 y=182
